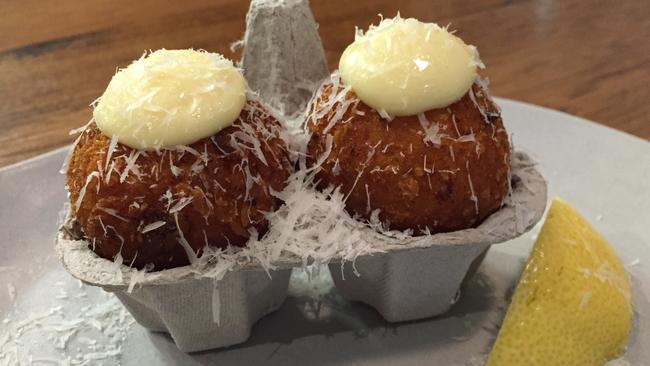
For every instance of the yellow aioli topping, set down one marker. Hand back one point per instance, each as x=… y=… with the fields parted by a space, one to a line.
x=171 y=97
x=404 y=67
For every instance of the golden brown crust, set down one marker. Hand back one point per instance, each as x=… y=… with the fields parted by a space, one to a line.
x=416 y=181
x=223 y=177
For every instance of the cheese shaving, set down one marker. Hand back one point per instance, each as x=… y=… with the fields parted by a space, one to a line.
x=473 y=197
x=82 y=192
x=131 y=165
x=136 y=277
x=113 y=213
x=191 y=255
x=111 y=149
x=153 y=226
x=431 y=130
x=178 y=206
x=80 y=130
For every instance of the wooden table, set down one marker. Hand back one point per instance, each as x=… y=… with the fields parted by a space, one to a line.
x=591 y=59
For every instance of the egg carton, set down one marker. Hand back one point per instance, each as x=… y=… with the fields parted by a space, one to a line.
x=412 y=278
x=407 y=278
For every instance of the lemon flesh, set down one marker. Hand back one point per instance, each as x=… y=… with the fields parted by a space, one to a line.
x=572 y=304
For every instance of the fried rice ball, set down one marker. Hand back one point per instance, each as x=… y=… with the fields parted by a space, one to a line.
x=157 y=206
x=442 y=170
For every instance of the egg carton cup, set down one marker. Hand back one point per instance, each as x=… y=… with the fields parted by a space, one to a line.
x=421 y=276
x=408 y=278
x=410 y=284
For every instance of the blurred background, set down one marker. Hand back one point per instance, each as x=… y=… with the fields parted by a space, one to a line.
x=585 y=58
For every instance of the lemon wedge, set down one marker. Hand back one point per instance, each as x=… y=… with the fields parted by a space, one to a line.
x=572 y=304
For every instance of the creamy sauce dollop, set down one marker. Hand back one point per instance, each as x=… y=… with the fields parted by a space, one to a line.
x=171 y=97
x=405 y=67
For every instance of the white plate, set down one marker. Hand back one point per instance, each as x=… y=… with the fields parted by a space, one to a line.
x=602 y=172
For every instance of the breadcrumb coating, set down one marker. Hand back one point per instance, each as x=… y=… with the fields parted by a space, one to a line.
x=162 y=207
x=443 y=170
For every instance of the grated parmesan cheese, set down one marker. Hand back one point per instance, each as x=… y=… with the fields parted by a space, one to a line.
x=471 y=188
x=431 y=130
x=65 y=335
x=152 y=226
x=82 y=192
x=180 y=204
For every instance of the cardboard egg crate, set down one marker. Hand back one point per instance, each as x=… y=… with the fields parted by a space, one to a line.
x=403 y=277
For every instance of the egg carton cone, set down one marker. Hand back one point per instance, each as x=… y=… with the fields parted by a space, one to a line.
x=283 y=58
